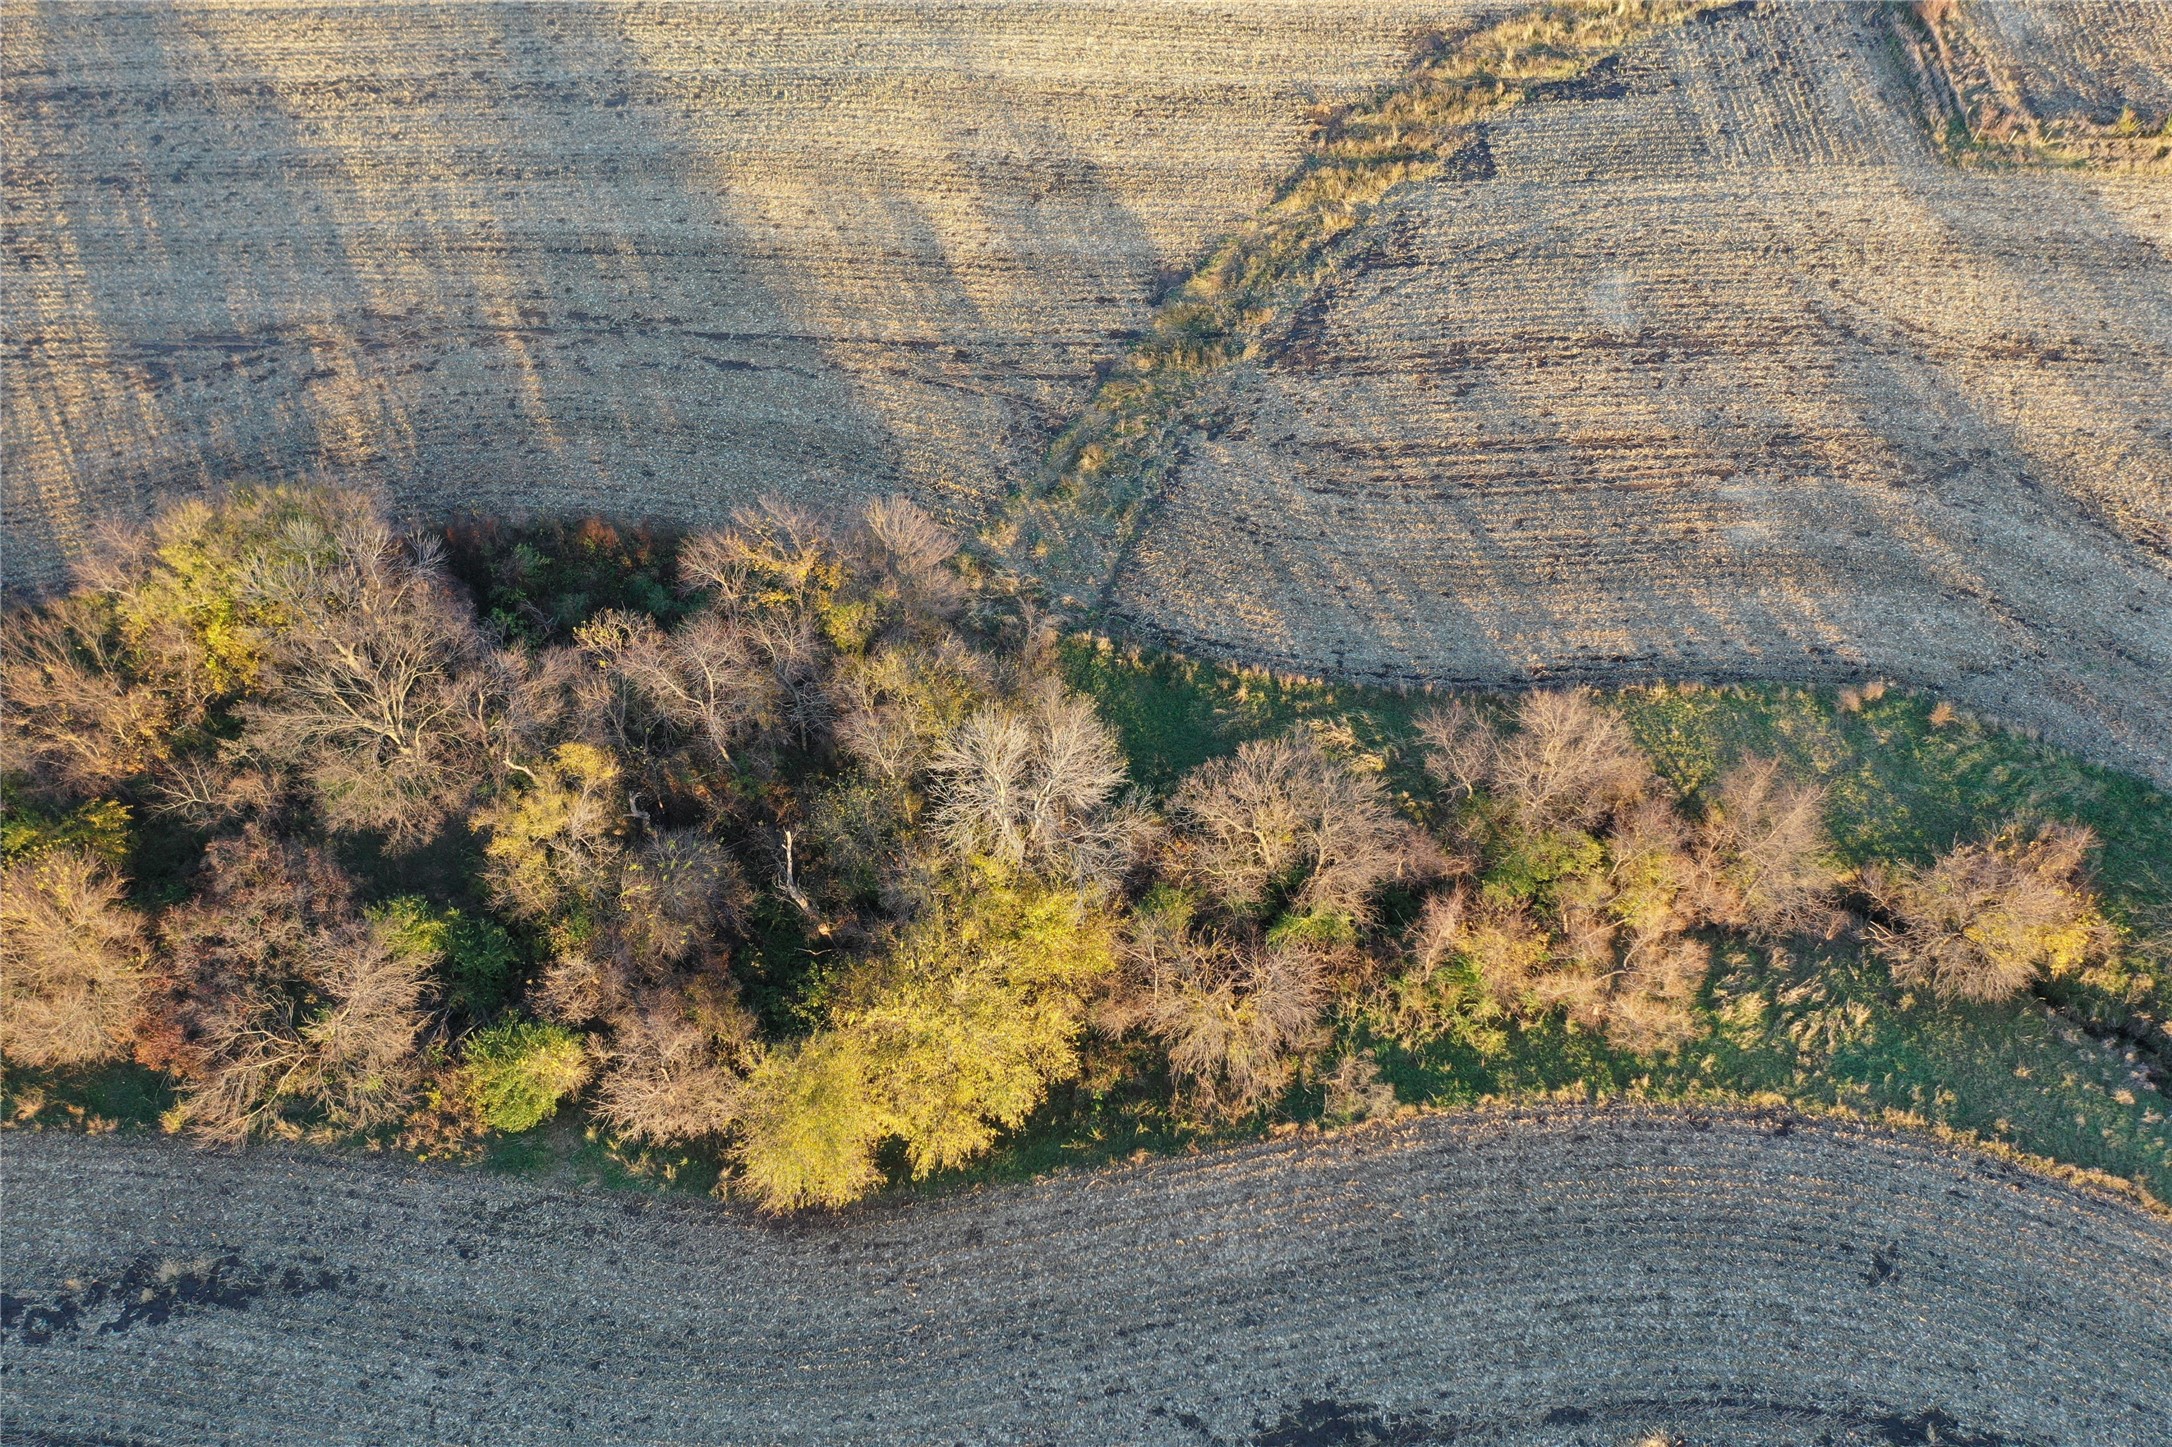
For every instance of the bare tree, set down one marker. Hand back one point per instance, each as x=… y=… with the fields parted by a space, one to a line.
x=773 y=553
x=72 y=958
x=211 y=789
x=1459 y=752
x=361 y=1039
x=1986 y=919
x=712 y=678
x=1647 y=1007
x=675 y=1067
x=74 y=724
x=907 y=556
x=275 y=997
x=642 y=918
x=1633 y=979
x=1569 y=762
x=1234 y=1016
x=675 y=895
x=1280 y=816
x=1037 y=789
x=577 y=984
x=1762 y=842
x=895 y=706
x=363 y=691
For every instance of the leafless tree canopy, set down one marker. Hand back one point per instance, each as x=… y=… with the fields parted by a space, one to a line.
x=678 y=893
x=71 y=721
x=1236 y=1016
x=897 y=705
x=710 y=678
x=1568 y=763
x=1763 y=847
x=906 y=553
x=674 y=1069
x=1987 y=919
x=1281 y=818
x=773 y=553
x=276 y=997
x=1035 y=788
x=72 y=958
x=365 y=690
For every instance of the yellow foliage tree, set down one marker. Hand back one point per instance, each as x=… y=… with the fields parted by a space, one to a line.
x=188 y=598
x=1986 y=919
x=555 y=835
x=950 y=1036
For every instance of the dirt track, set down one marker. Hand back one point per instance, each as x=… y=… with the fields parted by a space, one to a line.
x=1573 y=1277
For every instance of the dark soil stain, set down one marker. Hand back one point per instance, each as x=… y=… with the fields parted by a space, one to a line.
x=152 y=1289
x=1317 y=1423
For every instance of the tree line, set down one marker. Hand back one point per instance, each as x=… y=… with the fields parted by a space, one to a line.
x=849 y=749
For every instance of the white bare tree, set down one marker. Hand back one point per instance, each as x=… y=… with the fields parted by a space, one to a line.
x=1281 y=816
x=1036 y=788
x=366 y=687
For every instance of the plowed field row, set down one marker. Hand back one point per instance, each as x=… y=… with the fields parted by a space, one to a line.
x=640 y=260
x=1722 y=371
x=1560 y=1277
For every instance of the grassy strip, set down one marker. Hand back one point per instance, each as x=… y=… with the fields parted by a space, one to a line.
x=1823 y=1029
x=1826 y=1030
x=1108 y=465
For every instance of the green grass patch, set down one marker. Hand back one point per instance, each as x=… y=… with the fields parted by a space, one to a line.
x=117 y=1096
x=573 y=1151
x=1905 y=779
x=1173 y=713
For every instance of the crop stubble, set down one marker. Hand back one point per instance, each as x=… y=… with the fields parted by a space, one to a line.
x=1721 y=372
x=1554 y=1276
x=639 y=260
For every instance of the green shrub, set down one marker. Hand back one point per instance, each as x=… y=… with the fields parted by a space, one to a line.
x=475 y=958
x=517 y=1072
x=100 y=827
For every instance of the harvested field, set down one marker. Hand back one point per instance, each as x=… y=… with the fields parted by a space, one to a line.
x=637 y=260
x=1714 y=368
x=1562 y=1277
x=2070 y=82
x=1711 y=367
x=2079 y=59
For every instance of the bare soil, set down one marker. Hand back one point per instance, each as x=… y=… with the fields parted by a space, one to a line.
x=1560 y=1276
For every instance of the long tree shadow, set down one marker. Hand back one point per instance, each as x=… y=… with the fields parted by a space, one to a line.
x=528 y=259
